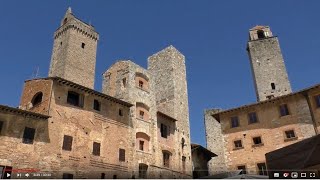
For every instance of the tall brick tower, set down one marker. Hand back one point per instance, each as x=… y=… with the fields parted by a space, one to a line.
x=74 y=51
x=268 y=68
x=169 y=71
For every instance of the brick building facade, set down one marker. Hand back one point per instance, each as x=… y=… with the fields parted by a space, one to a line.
x=242 y=136
x=132 y=129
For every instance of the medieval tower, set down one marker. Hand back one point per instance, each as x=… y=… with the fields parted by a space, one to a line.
x=169 y=71
x=268 y=68
x=160 y=115
x=74 y=51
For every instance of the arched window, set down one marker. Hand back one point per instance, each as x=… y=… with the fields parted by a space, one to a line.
x=65 y=20
x=142 y=111
x=142 y=81
x=37 y=99
x=261 y=34
x=142 y=141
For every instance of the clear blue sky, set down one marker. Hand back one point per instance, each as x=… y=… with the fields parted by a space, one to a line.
x=211 y=34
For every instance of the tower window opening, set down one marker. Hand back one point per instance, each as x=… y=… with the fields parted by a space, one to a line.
x=141 y=145
x=37 y=99
x=120 y=112
x=82 y=45
x=65 y=20
x=261 y=34
x=28 y=135
x=75 y=99
x=273 y=86
x=96 y=105
x=166 y=159
x=124 y=82
x=141 y=113
x=163 y=131
x=140 y=84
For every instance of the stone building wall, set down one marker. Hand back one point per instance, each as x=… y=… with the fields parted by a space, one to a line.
x=176 y=119
x=267 y=65
x=121 y=80
x=215 y=142
x=31 y=89
x=74 y=51
x=271 y=127
x=86 y=126
x=169 y=73
x=315 y=109
x=14 y=152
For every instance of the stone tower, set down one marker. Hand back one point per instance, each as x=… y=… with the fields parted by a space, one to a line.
x=267 y=64
x=74 y=51
x=169 y=72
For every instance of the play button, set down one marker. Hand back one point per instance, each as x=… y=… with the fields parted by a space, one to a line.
x=8 y=175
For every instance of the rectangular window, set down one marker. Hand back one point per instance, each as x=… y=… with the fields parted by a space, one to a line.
x=238 y=144
x=96 y=149
x=75 y=99
x=141 y=114
x=317 y=99
x=253 y=117
x=28 y=135
x=273 y=86
x=1 y=125
x=262 y=169
x=166 y=159
x=257 y=140
x=164 y=131
x=290 y=134
x=124 y=82
x=83 y=45
x=120 y=112
x=234 y=122
x=284 y=111
x=96 y=105
x=141 y=144
x=122 y=155
x=67 y=143
x=67 y=176
x=243 y=168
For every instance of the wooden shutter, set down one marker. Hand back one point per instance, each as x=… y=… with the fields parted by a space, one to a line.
x=67 y=143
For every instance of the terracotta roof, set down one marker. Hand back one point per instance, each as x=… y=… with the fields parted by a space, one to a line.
x=83 y=88
x=18 y=111
x=268 y=101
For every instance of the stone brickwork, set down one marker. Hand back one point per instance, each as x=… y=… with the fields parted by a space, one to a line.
x=215 y=142
x=271 y=127
x=137 y=128
x=169 y=72
x=132 y=83
x=74 y=51
x=268 y=68
x=85 y=124
x=242 y=136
